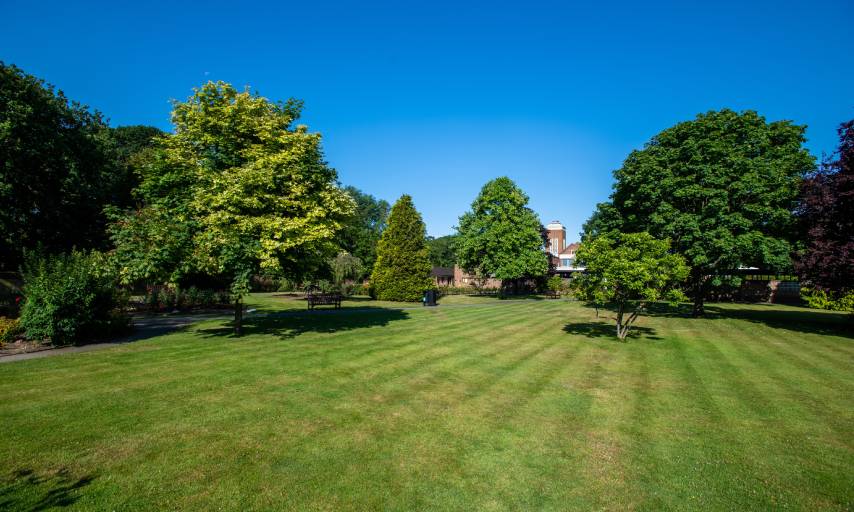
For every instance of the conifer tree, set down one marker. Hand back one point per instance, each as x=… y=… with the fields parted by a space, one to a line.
x=402 y=269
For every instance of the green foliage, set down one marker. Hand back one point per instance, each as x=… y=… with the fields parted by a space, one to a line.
x=627 y=269
x=722 y=187
x=71 y=298
x=57 y=170
x=345 y=267
x=167 y=298
x=555 y=284
x=361 y=232
x=10 y=329
x=604 y=220
x=236 y=190
x=822 y=299
x=133 y=147
x=402 y=270
x=442 y=250
x=501 y=236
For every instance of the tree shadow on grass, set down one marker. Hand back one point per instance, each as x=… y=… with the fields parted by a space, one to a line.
x=793 y=319
x=608 y=330
x=290 y=324
x=800 y=320
x=27 y=491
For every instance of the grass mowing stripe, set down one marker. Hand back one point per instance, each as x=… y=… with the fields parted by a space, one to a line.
x=498 y=406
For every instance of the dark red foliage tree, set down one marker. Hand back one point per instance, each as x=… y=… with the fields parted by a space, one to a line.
x=827 y=216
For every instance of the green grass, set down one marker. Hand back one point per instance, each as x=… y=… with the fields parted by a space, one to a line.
x=482 y=405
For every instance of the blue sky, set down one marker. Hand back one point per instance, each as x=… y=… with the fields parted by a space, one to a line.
x=434 y=99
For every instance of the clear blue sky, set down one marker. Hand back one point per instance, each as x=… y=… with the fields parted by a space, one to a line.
x=437 y=98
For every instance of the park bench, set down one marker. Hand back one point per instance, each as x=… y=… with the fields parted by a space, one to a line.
x=552 y=294
x=323 y=299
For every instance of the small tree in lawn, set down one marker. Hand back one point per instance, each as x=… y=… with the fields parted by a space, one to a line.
x=630 y=270
x=555 y=284
x=501 y=237
x=402 y=270
x=235 y=190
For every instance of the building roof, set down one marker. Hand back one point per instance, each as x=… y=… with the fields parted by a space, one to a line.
x=442 y=272
x=570 y=248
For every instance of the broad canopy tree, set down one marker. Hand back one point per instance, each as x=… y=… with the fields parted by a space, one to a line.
x=236 y=189
x=402 y=269
x=501 y=236
x=722 y=187
x=57 y=170
x=630 y=270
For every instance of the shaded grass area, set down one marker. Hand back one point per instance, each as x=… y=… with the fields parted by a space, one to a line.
x=499 y=405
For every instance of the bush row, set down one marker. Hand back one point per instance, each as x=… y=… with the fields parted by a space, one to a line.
x=166 y=298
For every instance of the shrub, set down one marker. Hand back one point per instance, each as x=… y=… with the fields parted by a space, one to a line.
x=165 y=298
x=10 y=329
x=361 y=289
x=820 y=299
x=71 y=298
x=286 y=285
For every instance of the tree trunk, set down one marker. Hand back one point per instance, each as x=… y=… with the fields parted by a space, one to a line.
x=620 y=334
x=698 y=309
x=699 y=294
x=238 y=317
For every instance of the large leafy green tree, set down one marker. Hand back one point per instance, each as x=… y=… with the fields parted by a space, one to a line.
x=722 y=187
x=501 y=237
x=629 y=270
x=363 y=230
x=57 y=169
x=237 y=189
x=402 y=269
x=442 y=250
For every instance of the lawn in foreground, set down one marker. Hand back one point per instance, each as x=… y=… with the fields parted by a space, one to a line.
x=491 y=405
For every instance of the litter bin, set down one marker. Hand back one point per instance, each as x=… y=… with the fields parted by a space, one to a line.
x=429 y=298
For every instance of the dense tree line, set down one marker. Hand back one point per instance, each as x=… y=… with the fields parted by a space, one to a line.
x=238 y=188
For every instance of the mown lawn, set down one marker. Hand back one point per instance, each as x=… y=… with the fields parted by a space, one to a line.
x=482 y=405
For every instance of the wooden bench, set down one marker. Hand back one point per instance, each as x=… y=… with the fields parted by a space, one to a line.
x=552 y=295
x=323 y=299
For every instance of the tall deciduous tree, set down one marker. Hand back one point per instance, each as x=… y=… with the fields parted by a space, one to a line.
x=442 y=250
x=363 y=230
x=630 y=270
x=133 y=146
x=57 y=169
x=827 y=218
x=722 y=187
x=240 y=188
x=501 y=237
x=402 y=269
